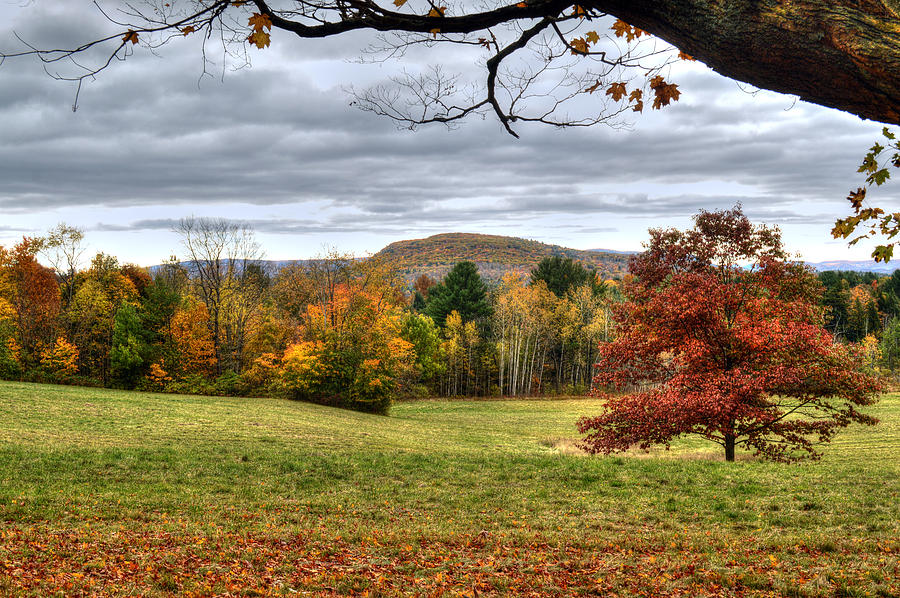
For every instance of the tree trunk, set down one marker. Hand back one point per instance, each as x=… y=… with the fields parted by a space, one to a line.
x=729 y=447
x=844 y=54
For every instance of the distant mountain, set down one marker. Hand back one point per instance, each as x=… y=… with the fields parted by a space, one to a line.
x=617 y=251
x=855 y=266
x=495 y=255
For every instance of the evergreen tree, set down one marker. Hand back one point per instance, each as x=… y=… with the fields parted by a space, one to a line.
x=561 y=274
x=130 y=350
x=890 y=345
x=418 y=302
x=462 y=290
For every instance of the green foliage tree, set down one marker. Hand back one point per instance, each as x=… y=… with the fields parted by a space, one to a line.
x=563 y=273
x=425 y=337
x=418 y=302
x=890 y=345
x=462 y=291
x=130 y=354
x=90 y=317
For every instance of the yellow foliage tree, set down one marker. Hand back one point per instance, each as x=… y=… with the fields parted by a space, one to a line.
x=60 y=360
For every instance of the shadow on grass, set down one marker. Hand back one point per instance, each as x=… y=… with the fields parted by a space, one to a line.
x=569 y=446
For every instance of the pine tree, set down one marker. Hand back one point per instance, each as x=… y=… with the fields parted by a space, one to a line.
x=462 y=290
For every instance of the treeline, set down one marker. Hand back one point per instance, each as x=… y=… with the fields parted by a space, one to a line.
x=335 y=330
x=864 y=308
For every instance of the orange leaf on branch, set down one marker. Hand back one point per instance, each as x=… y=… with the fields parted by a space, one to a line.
x=594 y=87
x=579 y=46
x=637 y=96
x=259 y=22
x=260 y=39
x=623 y=29
x=856 y=198
x=663 y=92
x=617 y=91
x=130 y=36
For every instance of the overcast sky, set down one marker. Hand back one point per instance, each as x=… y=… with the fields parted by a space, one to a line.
x=278 y=145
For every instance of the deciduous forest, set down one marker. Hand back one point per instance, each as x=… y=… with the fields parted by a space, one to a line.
x=337 y=329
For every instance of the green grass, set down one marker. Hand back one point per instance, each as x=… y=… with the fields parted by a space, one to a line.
x=120 y=493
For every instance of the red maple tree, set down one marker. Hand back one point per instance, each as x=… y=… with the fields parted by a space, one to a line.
x=722 y=337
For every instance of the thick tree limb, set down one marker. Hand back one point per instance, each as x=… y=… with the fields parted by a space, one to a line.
x=844 y=54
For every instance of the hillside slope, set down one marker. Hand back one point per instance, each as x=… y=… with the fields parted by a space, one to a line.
x=495 y=255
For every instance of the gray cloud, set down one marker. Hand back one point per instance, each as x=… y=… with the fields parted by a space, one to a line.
x=152 y=134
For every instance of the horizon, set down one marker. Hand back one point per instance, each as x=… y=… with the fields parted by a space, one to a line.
x=88 y=255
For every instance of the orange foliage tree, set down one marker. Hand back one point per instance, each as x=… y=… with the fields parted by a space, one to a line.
x=195 y=352
x=33 y=293
x=351 y=353
x=60 y=359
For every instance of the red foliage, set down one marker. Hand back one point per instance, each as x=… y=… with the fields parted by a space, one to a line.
x=736 y=354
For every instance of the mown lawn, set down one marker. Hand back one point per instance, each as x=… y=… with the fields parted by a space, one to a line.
x=119 y=493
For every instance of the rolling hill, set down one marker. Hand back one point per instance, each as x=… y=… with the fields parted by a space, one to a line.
x=495 y=255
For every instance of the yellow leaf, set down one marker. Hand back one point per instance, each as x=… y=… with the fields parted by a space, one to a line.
x=684 y=56
x=521 y=5
x=260 y=22
x=260 y=39
x=437 y=11
x=130 y=36
x=592 y=37
x=188 y=30
x=399 y=3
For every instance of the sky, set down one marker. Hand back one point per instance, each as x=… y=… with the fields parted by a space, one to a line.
x=277 y=145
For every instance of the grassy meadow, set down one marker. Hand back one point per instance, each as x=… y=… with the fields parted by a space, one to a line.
x=133 y=494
